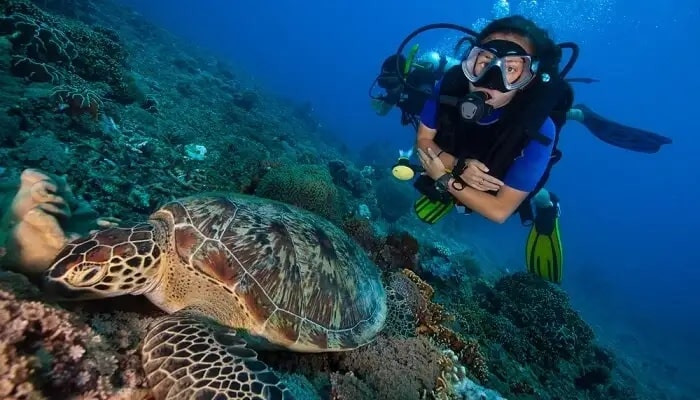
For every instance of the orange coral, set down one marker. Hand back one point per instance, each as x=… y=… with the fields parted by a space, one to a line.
x=32 y=229
x=432 y=315
x=431 y=320
x=33 y=217
x=77 y=106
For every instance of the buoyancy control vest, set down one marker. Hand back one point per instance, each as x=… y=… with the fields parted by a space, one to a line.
x=498 y=144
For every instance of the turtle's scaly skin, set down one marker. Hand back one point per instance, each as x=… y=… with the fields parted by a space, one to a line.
x=189 y=357
x=285 y=276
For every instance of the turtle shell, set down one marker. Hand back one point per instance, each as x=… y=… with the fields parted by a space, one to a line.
x=297 y=275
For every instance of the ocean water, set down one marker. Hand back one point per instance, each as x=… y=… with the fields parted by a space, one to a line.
x=628 y=219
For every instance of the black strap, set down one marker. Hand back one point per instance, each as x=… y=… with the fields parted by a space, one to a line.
x=408 y=118
x=527 y=216
x=449 y=100
x=459 y=167
x=534 y=113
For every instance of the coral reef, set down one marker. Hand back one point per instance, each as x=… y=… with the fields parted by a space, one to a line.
x=305 y=186
x=112 y=103
x=49 y=352
x=97 y=92
x=391 y=371
x=46 y=350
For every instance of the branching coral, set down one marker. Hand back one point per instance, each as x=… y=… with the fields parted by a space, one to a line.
x=45 y=152
x=350 y=178
x=79 y=100
x=533 y=321
x=35 y=71
x=124 y=331
x=38 y=41
x=46 y=350
x=48 y=48
x=101 y=56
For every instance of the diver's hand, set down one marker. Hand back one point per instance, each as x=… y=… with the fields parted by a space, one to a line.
x=476 y=176
x=431 y=163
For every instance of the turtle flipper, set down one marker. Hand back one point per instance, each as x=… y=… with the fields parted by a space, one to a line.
x=188 y=356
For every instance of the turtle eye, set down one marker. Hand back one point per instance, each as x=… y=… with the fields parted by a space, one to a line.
x=87 y=274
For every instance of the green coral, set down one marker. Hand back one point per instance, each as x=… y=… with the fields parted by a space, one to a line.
x=536 y=342
x=306 y=186
x=101 y=57
x=45 y=152
x=543 y=312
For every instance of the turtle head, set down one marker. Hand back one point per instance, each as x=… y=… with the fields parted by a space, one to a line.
x=108 y=263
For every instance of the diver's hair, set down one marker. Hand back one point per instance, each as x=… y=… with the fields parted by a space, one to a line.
x=548 y=53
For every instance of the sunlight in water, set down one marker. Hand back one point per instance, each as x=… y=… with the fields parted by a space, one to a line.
x=563 y=18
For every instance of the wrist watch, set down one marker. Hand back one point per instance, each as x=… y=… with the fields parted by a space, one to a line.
x=441 y=183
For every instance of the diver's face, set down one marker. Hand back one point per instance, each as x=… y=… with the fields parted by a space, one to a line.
x=513 y=72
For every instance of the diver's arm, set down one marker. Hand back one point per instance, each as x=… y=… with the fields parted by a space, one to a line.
x=425 y=137
x=425 y=140
x=521 y=178
x=496 y=208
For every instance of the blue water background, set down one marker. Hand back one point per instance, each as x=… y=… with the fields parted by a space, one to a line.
x=630 y=221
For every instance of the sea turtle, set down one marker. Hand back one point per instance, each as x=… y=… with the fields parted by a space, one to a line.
x=234 y=272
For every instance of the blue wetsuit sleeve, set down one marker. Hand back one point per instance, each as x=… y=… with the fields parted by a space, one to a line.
x=428 y=115
x=528 y=169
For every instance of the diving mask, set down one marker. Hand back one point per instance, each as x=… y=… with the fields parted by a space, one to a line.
x=389 y=81
x=500 y=65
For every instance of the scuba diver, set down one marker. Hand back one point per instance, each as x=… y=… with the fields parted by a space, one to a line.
x=487 y=136
x=411 y=96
